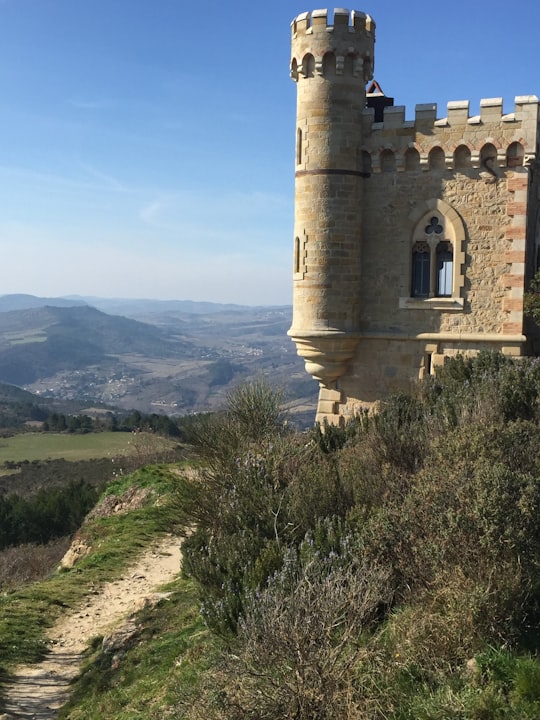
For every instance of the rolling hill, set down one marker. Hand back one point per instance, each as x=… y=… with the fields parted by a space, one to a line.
x=40 y=342
x=171 y=357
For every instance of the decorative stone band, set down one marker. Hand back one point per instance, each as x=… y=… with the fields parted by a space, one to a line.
x=327 y=354
x=332 y=171
x=456 y=337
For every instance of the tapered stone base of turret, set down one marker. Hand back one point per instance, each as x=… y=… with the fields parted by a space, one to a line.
x=327 y=355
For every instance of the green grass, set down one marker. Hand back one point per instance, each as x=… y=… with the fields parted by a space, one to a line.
x=53 y=446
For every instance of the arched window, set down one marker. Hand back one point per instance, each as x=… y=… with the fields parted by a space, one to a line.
x=366 y=161
x=329 y=64
x=436 y=159
x=437 y=259
x=348 y=68
x=308 y=66
x=423 y=283
x=488 y=157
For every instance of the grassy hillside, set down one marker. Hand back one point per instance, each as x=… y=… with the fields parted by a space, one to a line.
x=33 y=461
x=388 y=570
x=116 y=539
x=40 y=342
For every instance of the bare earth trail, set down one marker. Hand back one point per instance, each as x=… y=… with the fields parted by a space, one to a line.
x=40 y=690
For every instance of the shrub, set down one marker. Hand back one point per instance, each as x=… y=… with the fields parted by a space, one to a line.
x=252 y=414
x=357 y=574
x=490 y=386
x=300 y=639
x=241 y=527
x=398 y=433
x=29 y=563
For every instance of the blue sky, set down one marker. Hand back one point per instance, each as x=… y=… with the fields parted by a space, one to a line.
x=147 y=145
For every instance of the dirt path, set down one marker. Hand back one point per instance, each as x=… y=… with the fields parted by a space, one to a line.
x=40 y=690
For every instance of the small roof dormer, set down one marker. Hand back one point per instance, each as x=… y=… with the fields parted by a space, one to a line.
x=376 y=99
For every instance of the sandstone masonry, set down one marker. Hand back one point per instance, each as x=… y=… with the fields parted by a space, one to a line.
x=414 y=240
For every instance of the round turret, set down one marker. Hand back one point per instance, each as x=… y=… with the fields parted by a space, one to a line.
x=331 y=64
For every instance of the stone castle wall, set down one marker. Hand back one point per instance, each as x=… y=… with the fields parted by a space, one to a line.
x=364 y=198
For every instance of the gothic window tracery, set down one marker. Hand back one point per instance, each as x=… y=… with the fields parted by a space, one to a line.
x=432 y=262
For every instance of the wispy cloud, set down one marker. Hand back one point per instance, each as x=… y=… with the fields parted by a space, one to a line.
x=94 y=180
x=212 y=207
x=110 y=182
x=89 y=103
x=205 y=223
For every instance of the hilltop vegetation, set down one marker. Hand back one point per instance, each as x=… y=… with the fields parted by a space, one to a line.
x=387 y=570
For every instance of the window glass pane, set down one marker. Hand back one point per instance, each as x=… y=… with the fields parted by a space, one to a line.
x=445 y=268
x=420 y=274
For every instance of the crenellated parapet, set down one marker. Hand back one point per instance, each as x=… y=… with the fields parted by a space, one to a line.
x=354 y=21
x=457 y=141
x=342 y=48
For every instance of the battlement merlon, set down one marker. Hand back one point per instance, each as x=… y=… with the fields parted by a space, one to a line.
x=526 y=112
x=316 y=21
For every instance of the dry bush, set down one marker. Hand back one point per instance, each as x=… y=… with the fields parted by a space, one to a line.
x=27 y=563
x=302 y=639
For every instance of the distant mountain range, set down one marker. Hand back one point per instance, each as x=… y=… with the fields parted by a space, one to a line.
x=156 y=356
x=26 y=302
x=136 y=307
x=119 y=306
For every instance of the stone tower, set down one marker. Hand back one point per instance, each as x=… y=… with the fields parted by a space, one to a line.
x=331 y=65
x=414 y=240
